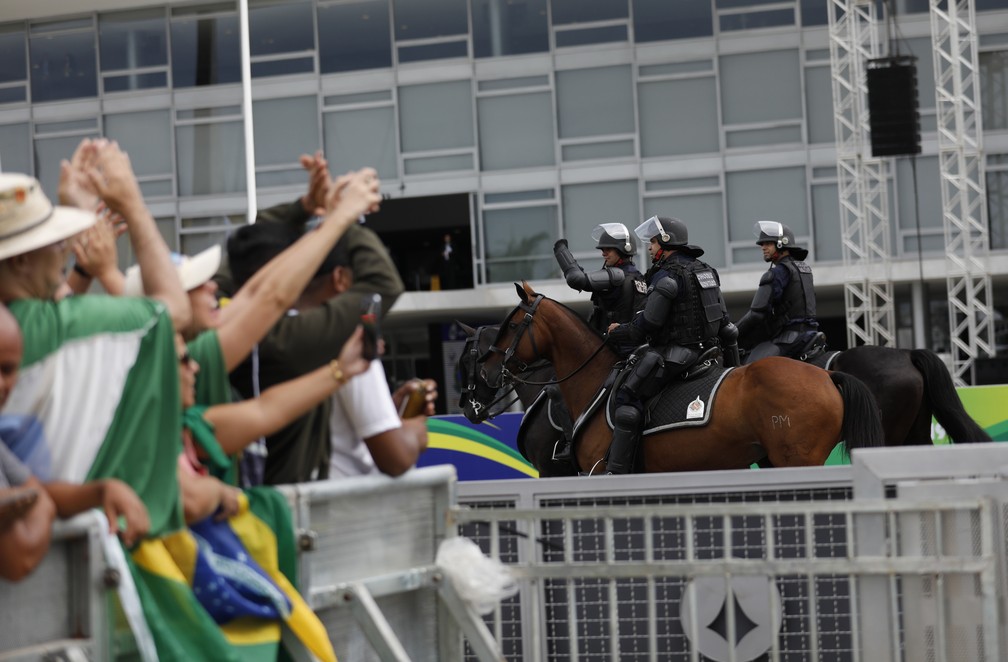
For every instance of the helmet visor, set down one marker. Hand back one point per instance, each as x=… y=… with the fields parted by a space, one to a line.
x=617 y=231
x=768 y=230
x=650 y=228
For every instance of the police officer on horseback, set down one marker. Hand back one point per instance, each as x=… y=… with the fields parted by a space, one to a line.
x=618 y=288
x=683 y=316
x=781 y=320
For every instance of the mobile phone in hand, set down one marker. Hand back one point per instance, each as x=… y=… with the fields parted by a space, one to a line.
x=370 y=307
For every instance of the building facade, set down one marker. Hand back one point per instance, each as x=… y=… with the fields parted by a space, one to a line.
x=497 y=126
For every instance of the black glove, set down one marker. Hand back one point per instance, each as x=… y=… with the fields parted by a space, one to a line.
x=560 y=242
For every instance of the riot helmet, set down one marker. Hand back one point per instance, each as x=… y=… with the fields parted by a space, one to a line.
x=779 y=235
x=670 y=232
x=616 y=236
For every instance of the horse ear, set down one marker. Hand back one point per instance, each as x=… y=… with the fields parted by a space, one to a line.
x=468 y=329
x=521 y=292
x=528 y=289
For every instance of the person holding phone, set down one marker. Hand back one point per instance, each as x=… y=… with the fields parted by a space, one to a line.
x=311 y=333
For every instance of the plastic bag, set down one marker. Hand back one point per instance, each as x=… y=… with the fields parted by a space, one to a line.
x=480 y=580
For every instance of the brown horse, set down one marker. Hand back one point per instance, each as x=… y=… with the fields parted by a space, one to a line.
x=793 y=414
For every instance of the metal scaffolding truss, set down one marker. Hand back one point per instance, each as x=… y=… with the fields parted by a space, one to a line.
x=963 y=189
x=862 y=181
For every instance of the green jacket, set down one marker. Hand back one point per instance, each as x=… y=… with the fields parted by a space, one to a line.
x=305 y=340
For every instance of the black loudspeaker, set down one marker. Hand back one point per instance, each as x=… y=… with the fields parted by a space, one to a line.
x=893 y=110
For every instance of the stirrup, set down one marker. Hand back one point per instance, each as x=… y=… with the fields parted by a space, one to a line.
x=563 y=453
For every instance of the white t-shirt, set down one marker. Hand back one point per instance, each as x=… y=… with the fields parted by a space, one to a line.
x=361 y=409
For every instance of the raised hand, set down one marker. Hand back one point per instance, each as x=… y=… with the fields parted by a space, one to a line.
x=95 y=248
x=351 y=359
x=354 y=193
x=113 y=179
x=314 y=201
x=75 y=187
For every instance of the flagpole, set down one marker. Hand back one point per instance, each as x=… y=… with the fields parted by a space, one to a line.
x=246 y=67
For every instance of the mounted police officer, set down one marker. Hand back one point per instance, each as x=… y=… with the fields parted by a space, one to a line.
x=781 y=320
x=618 y=288
x=684 y=315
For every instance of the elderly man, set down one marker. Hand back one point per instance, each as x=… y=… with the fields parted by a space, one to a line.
x=99 y=373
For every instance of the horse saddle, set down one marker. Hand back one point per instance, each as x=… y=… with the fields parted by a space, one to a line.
x=823 y=360
x=548 y=410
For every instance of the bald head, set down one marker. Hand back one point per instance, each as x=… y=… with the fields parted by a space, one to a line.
x=10 y=353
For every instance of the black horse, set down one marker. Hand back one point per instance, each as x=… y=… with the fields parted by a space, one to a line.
x=910 y=386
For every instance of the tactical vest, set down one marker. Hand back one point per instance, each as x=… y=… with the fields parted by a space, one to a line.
x=618 y=305
x=798 y=300
x=696 y=311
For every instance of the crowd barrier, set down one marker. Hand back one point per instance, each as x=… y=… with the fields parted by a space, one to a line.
x=899 y=557
x=366 y=566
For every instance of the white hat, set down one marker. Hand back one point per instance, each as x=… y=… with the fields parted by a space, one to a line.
x=29 y=221
x=193 y=271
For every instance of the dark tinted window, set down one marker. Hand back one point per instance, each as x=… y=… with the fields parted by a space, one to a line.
x=205 y=51
x=509 y=28
x=354 y=36
x=63 y=66
x=658 y=20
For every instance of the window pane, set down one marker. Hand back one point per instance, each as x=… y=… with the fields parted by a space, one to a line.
x=436 y=116
x=778 y=135
x=13 y=94
x=448 y=163
x=135 y=81
x=205 y=51
x=281 y=28
x=599 y=35
x=63 y=66
x=927 y=196
x=425 y=19
x=657 y=20
x=587 y=205
x=284 y=129
x=595 y=102
x=438 y=51
x=354 y=36
x=757 y=19
x=826 y=222
x=813 y=12
x=600 y=150
x=504 y=27
x=703 y=215
x=211 y=158
x=133 y=39
x=520 y=232
x=757 y=87
x=579 y=11
x=678 y=117
x=921 y=47
x=819 y=100
x=15 y=148
x=777 y=195
x=12 y=56
x=994 y=83
x=285 y=67
x=199 y=242
x=997 y=206
x=516 y=131
x=358 y=138
x=146 y=137
x=512 y=271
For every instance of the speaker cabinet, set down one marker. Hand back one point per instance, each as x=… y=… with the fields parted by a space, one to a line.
x=893 y=108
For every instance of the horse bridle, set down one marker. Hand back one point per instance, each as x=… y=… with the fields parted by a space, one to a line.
x=469 y=392
x=507 y=377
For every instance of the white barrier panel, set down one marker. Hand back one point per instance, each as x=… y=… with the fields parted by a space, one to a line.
x=704 y=566
x=61 y=608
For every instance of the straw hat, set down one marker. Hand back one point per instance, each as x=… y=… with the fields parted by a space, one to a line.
x=29 y=221
x=193 y=271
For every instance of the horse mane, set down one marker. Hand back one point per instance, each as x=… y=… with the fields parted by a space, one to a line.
x=571 y=312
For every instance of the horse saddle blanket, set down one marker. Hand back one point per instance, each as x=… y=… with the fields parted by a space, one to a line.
x=681 y=404
x=824 y=360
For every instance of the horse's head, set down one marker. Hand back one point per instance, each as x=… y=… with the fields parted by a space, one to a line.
x=515 y=347
x=476 y=395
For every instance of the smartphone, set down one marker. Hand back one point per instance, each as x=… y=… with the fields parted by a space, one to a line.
x=370 y=307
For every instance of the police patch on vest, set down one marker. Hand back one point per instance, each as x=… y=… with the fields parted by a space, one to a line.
x=695 y=409
x=706 y=279
x=641 y=286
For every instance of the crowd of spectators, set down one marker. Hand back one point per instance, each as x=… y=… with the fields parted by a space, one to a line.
x=239 y=369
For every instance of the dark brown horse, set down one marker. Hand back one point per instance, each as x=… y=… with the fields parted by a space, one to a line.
x=790 y=413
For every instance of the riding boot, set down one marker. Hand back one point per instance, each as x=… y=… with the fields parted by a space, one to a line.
x=624 y=441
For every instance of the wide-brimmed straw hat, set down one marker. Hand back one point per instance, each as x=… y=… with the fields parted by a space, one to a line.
x=29 y=221
x=193 y=271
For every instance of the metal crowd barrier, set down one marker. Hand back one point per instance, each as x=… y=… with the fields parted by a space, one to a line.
x=367 y=566
x=900 y=557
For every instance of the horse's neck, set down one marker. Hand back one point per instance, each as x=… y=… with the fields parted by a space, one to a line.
x=528 y=393
x=575 y=353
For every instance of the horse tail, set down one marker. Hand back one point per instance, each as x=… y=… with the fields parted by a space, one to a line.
x=862 y=422
x=943 y=400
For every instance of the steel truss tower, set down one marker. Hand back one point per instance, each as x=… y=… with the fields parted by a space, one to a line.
x=855 y=38
x=862 y=181
x=963 y=185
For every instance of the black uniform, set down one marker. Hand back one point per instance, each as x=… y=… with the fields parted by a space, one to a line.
x=781 y=320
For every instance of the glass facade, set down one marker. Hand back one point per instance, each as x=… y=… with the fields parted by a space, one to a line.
x=554 y=115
